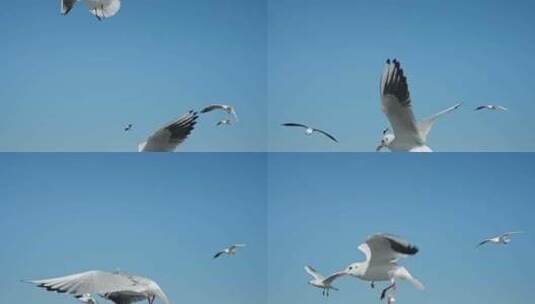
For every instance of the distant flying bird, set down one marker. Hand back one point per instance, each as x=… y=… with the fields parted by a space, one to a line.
x=320 y=281
x=491 y=107
x=221 y=107
x=128 y=127
x=310 y=130
x=170 y=136
x=502 y=239
x=229 y=251
x=86 y=298
x=409 y=135
x=100 y=8
x=120 y=288
x=224 y=122
x=383 y=251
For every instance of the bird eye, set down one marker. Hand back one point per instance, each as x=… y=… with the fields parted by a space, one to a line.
x=350 y=267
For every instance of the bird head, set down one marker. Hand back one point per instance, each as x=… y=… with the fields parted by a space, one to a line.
x=355 y=270
x=387 y=139
x=309 y=131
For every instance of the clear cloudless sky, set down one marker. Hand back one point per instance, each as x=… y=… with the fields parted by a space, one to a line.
x=161 y=216
x=326 y=58
x=322 y=206
x=71 y=83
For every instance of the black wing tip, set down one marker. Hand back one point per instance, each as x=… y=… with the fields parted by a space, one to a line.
x=399 y=245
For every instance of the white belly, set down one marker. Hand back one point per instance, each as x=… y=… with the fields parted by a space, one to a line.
x=103 y=8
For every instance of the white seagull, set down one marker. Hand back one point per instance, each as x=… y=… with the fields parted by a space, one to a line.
x=86 y=298
x=310 y=130
x=383 y=252
x=409 y=135
x=226 y=108
x=100 y=8
x=502 y=239
x=320 y=281
x=166 y=139
x=224 y=122
x=491 y=107
x=118 y=287
x=229 y=251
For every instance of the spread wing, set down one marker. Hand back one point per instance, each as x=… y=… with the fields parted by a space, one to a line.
x=424 y=126
x=169 y=137
x=484 y=242
x=219 y=254
x=67 y=5
x=291 y=124
x=326 y=134
x=90 y=282
x=386 y=249
x=213 y=107
x=237 y=246
x=396 y=104
x=329 y=280
x=512 y=232
x=314 y=273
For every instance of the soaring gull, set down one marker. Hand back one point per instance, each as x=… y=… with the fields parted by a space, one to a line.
x=167 y=138
x=409 y=135
x=502 y=239
x=383 y=252
x=221 y=107
x=128 y=127
x=491 y=107
x=320 y=281
x=100 y=8
x=310 y=130
x=229 y=251
x=118 y=287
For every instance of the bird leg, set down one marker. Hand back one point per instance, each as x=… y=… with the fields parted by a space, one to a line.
x=372 y=284
x=383 y=294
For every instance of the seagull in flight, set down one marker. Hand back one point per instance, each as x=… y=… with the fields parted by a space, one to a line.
x=229 y=251
x=408 y=134
x=491 y=107
x=86 y=298
x=502 y=239
x=221 y=107
x=128 y=127
x=167 y=138
x=224 y=122
x=310 y=130
x=383 y=251
x=100 y=8
x=118 y=287
x=320 y=281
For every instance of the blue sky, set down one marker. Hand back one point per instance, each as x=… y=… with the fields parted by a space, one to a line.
x=160 y=216
x=326 y=57
x=322 y=206
x=71 y=83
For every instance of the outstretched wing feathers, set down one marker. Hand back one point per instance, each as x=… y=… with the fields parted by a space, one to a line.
x=396 y=104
